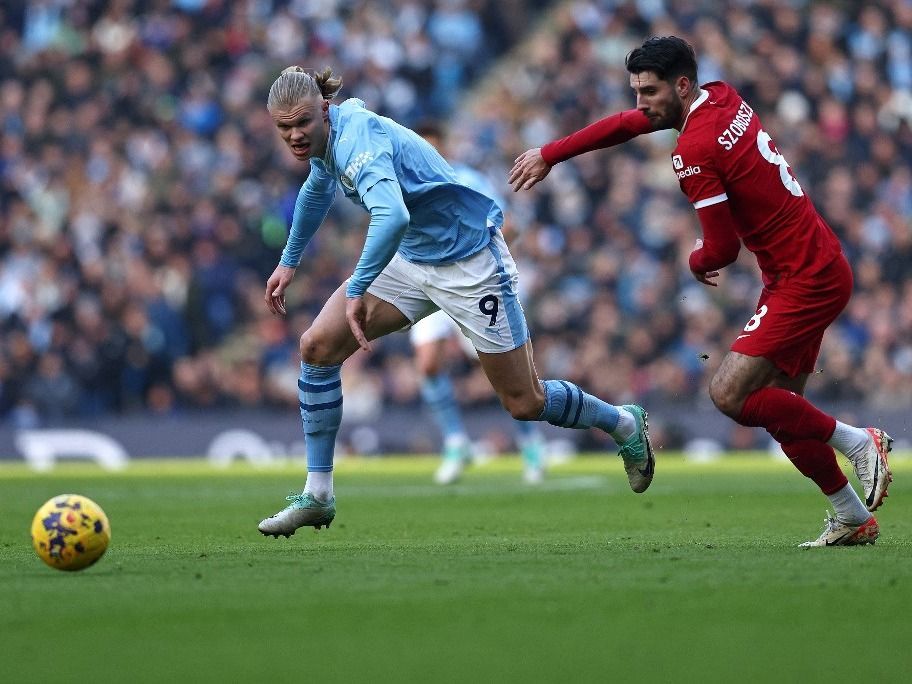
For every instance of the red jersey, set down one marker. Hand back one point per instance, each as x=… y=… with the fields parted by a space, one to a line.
x=723 y=154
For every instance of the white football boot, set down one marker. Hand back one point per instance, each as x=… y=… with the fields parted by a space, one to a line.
x=837 y=533
x=304 y=511
x=449 y=471
x=872 y=468
x=457 y=454
x=533 y=474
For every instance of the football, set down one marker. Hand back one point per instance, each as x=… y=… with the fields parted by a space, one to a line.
x=70 y=532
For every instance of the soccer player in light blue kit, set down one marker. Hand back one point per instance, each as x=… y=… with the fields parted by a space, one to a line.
x=430 y=338
x=432 y=243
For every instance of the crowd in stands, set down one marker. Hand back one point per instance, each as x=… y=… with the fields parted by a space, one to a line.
x=145 y=195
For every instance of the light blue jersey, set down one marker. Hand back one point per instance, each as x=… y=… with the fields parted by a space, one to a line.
x=476 y=180
x=425 y=213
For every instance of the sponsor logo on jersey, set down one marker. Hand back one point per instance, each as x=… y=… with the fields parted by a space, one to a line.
x=677 y=162
x=689 y=171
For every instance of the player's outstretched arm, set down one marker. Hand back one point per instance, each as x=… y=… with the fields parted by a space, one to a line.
x=533 y=165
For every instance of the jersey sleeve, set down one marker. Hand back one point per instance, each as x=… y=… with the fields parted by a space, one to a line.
x=314 y=200
x=364 y=155
x=697 y=169
x=389 y=221
x=720 y=239
x=608 y=132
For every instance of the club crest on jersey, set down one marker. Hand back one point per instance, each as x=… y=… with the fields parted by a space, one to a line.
x=677 y=162
x=347 y=182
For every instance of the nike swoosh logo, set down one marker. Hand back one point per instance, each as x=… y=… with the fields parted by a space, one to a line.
x=650 y=456
x=835 y=542
x=741 y=336
x=870 y=499
x=650 y=467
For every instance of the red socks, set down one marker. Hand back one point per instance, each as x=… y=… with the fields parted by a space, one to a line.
x=801 y=428
x=787 y=416
x=816 y=461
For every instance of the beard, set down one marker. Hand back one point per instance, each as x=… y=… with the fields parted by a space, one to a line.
x=673 y=116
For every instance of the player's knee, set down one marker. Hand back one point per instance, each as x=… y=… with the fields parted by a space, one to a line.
x=317 y=349
x=726 y=398
x=523 y=410
x=527 y=406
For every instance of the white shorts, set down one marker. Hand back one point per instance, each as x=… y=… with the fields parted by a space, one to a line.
x=478 y=293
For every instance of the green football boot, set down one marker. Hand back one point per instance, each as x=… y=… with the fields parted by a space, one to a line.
x=303 y=511
x=639 y=461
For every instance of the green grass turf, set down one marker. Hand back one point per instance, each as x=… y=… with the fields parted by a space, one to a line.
x=579 y=580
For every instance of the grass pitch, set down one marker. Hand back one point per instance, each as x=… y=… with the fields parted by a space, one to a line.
x=578 y=580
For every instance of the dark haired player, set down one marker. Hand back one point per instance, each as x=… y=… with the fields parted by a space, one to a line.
x=744 y=191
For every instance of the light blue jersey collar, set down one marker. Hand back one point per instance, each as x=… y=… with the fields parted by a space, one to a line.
x=328 y=157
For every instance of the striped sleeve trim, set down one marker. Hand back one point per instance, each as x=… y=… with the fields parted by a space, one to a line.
x=709 y=201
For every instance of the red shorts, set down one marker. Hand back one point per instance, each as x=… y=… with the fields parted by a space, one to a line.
x=790 y=321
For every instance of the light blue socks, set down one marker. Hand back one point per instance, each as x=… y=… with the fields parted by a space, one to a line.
x=437 y=392
x=566 y=405
x=320 y=397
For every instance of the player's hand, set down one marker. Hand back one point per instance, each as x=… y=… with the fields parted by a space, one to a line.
x=275 y=288
x=355 y=313
x=528 y=169
x=708 y=277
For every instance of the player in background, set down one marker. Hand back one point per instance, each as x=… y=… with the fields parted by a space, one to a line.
x=744 y=191
x=432 y=243
x=430 y=338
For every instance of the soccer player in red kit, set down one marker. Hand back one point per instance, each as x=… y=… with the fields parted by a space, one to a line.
x=744 y=191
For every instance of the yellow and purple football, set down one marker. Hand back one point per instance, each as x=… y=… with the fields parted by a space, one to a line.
x=70 y=532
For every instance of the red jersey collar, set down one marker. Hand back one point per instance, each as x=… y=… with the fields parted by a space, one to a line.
x=703 y=96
